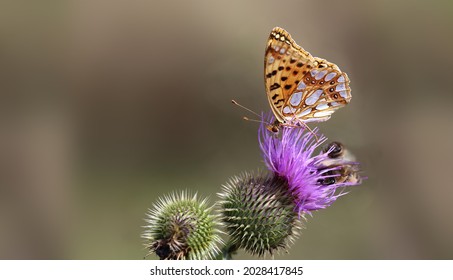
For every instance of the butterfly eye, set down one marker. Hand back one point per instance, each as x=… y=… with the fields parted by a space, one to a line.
x=336 y=149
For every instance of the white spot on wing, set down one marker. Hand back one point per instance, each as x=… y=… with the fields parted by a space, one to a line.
x=288 y=110
x=320 y=74
x=322 y=114
x=295 y=98
x=301 y=85
x=344 y=94
x=341 y=79
x=322 y=106
x=334 y=104
x=313 y=98
x=271 y=59
x=330 y=76
x=314 y=72
x=340 y=87
x=282 y=50
x=305 y=112
x=323 y=119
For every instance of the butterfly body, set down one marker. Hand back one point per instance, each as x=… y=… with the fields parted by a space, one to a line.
x=300 y=87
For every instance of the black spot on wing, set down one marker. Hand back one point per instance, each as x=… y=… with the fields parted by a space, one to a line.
x=274 y=86
x=278 y=101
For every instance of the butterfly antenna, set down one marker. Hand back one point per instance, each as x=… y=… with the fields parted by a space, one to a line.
x=253 y=120
x=245 y=108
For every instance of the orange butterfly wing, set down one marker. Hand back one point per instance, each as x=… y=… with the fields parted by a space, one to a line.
x=301 y=87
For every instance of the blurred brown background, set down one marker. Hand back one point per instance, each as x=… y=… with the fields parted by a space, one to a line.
x=106 y=105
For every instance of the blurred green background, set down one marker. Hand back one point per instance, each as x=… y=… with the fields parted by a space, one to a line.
x=107 y=105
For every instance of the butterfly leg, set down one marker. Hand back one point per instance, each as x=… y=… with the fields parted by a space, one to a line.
x=310 y=130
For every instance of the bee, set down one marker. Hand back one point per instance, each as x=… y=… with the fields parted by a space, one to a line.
x=345 y=170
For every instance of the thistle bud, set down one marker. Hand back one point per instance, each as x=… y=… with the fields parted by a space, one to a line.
x=259 y=214
x=181 y=227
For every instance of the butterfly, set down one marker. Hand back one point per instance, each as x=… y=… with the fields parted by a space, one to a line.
x=301 y=88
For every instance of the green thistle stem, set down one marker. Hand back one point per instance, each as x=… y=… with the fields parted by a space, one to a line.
x=228 y=251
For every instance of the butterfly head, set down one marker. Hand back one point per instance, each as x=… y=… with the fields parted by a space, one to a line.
x=274 y=127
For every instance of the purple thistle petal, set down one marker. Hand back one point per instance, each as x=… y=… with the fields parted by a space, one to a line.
x=291 y=156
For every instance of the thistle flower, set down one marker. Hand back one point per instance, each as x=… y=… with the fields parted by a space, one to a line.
x=316 y=181
x=181 y=227
x=258 y=212
x=264 y=213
